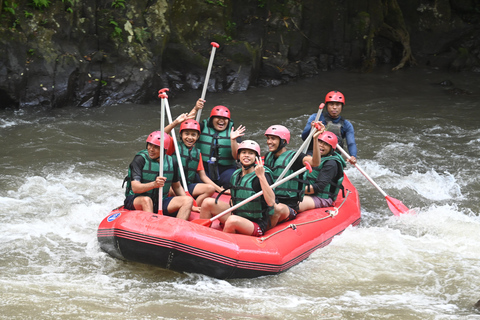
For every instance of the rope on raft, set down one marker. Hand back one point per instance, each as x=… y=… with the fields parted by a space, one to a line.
x=331 y=214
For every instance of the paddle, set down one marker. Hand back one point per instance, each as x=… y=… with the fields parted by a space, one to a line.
x=207 y=76
x=208 y=222
x=307 y=141
x=162 y=151
x=396 y=206
x=164 y=96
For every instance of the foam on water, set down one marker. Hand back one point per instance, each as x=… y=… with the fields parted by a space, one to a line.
x=433 y=253
x=56 y=218
x=434 y=186
x=430 y=185
x=5 y=123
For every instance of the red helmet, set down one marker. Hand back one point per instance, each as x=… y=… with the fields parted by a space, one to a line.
x=190 y=124
x=249 y=144
x=169 y=145
x=330 y=138
x=220 y=111
x=154 y=138
x=279 y=131
x=335 y=96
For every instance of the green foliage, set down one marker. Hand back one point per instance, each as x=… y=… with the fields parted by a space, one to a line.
x=118 y=4
x=142 y=35
x=27 y=14
x=220 y=3
x=230 y=29
x=69 y=4
x=261 y=3
x=117 y=31
x=31 y=52
x=15 y=24
x=10 y=7
x=40 y=4
x=231 y=26
x=463 y=52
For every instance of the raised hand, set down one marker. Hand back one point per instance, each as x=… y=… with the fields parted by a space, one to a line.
x=182 y=117
x=259 y=168
x=199 y=104
x=320 y=129
x=234 y=134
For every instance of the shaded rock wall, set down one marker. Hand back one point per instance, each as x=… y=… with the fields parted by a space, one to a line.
x=101 y=52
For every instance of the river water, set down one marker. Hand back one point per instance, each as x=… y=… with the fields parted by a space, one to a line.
x=62 y=173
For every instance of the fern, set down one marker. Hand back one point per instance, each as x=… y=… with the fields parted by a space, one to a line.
x=40 y=4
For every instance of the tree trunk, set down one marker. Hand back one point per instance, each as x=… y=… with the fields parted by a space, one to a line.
x=394 y=29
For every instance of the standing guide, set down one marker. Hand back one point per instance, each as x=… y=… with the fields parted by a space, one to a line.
x=330 y=117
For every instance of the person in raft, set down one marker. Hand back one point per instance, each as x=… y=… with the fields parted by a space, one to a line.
x=252 y=218
x=290 y=194
x=143 y=181
x=342 y=128
x=192 y=159
x=218 y=144
x=325 y=181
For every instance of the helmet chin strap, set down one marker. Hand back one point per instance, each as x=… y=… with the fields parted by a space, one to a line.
x=248 y=167
x=283 y=143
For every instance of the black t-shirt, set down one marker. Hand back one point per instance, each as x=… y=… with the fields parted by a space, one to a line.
x=327 y=175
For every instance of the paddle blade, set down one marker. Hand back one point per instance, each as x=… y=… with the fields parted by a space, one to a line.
x=203 y=222
x=396 y=206
x=194 y=201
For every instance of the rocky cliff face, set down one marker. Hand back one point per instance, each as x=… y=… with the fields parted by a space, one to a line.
x=100 y=52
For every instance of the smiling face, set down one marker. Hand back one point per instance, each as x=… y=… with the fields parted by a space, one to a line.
x=189 y=137
x=153 y=151
x=334 y=109
x=324 y=147
x=272 y=142
x=220 y=123
x=247 y=157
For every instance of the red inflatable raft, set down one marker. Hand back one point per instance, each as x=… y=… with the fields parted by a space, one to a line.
x=184 y=246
